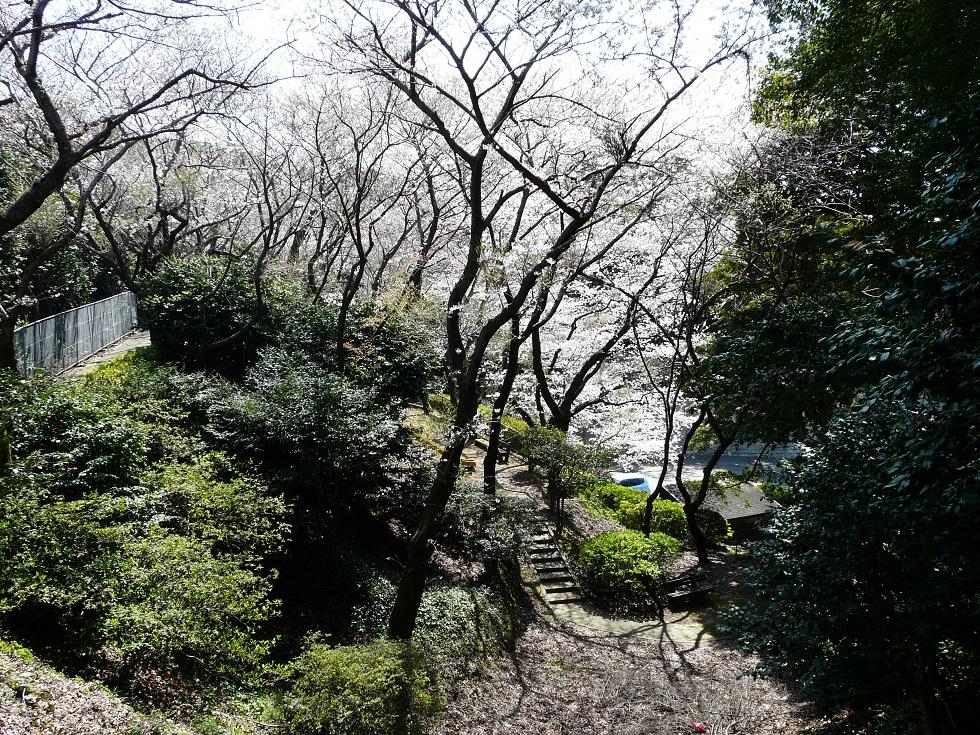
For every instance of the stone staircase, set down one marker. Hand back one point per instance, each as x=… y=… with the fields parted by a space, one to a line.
x=559 y=586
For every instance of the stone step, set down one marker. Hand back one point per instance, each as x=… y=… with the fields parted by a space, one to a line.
x=562 y=598
x=552 y=569
x=542 y=556
x=551 y=578
x=565 y=588
x=547 y=559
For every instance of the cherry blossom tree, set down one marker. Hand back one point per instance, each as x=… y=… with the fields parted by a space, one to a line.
x=517 y=96
x=84 y=82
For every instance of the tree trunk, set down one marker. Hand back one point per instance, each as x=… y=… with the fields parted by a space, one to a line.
x=6 y=457
x=6 y=453
x=648 y=510
x=8 y=361
x=499 y=405
x=8 y=353
x=412 y=583
x=697 y=536
x=490 y=461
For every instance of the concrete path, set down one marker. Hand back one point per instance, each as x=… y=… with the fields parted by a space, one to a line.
x=684 y=627
x=110 y=352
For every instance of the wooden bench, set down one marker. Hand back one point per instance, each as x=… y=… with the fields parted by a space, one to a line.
x=683 y=589
x=503 y=449
x=688 y=595
x=685 y=580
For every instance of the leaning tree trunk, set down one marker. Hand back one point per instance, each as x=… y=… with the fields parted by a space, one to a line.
x=401 y=623
x=648 y=509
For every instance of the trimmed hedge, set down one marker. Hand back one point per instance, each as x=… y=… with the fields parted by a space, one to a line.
x=620 y=566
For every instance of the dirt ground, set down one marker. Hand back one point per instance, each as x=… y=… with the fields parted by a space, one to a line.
x=36 y=700
x=563 y=679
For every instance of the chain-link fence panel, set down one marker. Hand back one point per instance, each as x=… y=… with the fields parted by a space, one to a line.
x=62 y=340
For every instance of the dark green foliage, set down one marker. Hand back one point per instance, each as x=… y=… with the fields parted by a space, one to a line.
x=384 y=348
x=459 y=628
x=190 y=304
x=870 y=567
x=192 y=307
x=869 y=57
x=768 y=356
x=866 y=590
x=621 y=567
x=211 y=500
x=485 y=527
x=305 y=421
x=77 y=439
x=138 y=570
x=154 y=394
x=379 y=688
x=713 y=525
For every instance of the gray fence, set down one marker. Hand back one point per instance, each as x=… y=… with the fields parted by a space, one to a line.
x=64 y=339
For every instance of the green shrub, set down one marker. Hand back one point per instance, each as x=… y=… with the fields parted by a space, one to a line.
x=177 y=606
x=190 y=303
x=385 y=348
x=86 y=577
x=485 y=527
x=618 y=503
x=305 y=421
x=213 y=500
x=602 y=499
x=668 y=517
x=82 y=443
x=512 y=431
x=620 y=566
x=458 y=627
x=131 y=567
x=714 y=526
x=379 y=688
x=776 y=491
x=440 y=403
x=131 y=379
x=630 y=512
x=142 y=388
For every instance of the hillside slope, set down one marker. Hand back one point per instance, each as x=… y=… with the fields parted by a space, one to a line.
x=37 y=700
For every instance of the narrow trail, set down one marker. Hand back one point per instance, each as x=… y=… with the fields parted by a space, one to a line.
x=109 y=352
x=561 y=594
